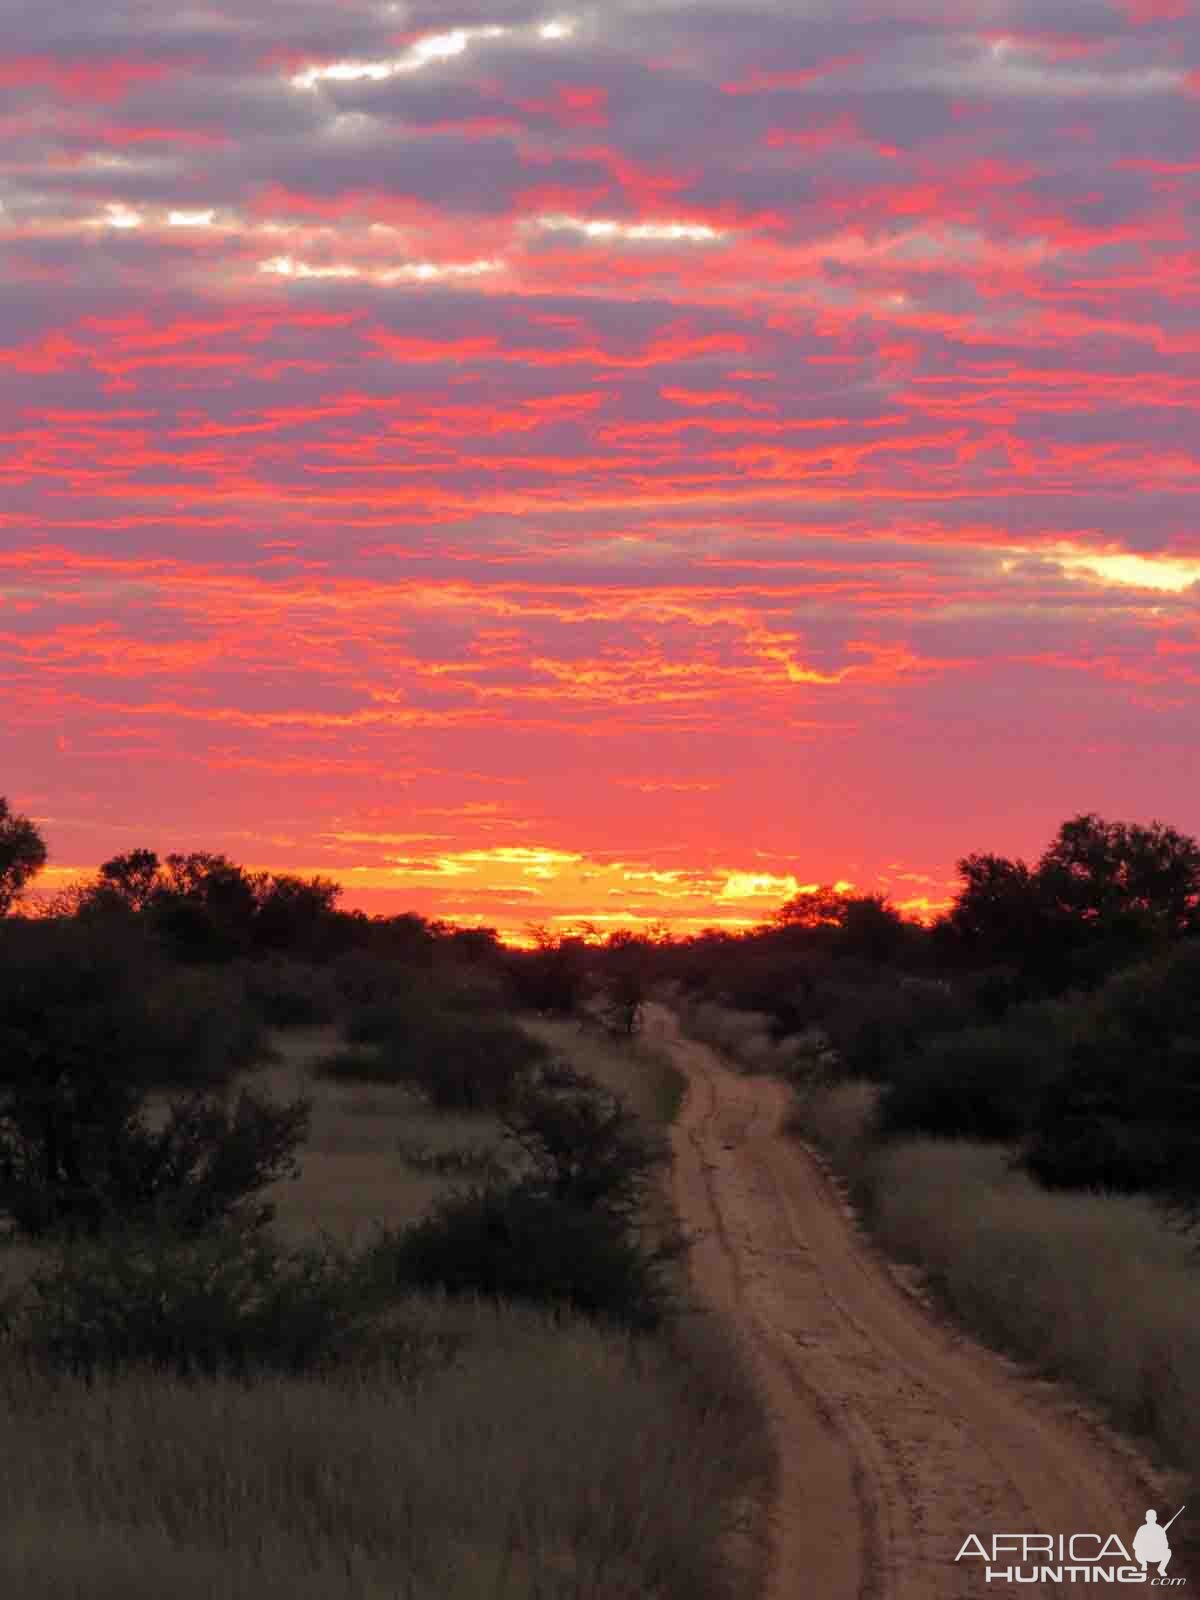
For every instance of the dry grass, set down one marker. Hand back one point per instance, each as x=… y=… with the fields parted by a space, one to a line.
x=744 y=1039
x=1093 y=1288
x=354 y=1167
x=550 y=1460
x=637 y=1069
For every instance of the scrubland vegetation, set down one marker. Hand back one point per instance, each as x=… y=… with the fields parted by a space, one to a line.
x=336 y=1262
x=1013 y=1098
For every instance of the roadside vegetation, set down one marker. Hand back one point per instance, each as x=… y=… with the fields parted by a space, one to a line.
x=1012 y=1097
x=335 y=1262
x=381 y=1196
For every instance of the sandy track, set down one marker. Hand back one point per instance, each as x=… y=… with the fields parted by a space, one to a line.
x=895 y=1436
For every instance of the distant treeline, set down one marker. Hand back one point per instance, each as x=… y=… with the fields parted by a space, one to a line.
x=1056 y=1004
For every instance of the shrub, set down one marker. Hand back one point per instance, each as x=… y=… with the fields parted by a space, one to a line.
x=1124 y=1114
x=464 y=1062
x=226 y=1302
x=566 y=1231
x=361 y=980
x=93 y=1167
x=290 y=994
x=201 y=1027
x=585 y=1148
x=874 y=1026
x=517 y=1241
x=80 y=1046
x=980 y=1083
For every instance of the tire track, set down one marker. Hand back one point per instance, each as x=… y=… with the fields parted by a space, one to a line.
x=895 y=1436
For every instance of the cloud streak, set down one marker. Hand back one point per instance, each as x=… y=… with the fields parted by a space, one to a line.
x=737 y=441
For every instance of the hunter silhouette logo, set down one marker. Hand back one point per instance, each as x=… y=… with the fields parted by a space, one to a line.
x=1077 y=1557
x=1150 y=1543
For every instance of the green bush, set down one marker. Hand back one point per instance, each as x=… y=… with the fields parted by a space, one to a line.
x=462 y=1062
x=290 y=994
x=201 y=1027
x=583 y=1145
x=201 y=1166
x=517 y=1241
x=979 y=1083
x=229 y=1302
x=85 y=1032
x=1124 y=1113
x=566 y=1231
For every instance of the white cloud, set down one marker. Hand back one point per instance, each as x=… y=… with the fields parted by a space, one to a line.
x=119 y=215
x=606 y=228
x=287 y=267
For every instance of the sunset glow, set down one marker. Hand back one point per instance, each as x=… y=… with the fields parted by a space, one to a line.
x=623 y=465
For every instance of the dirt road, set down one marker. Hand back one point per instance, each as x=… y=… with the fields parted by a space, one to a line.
x=896 y=1437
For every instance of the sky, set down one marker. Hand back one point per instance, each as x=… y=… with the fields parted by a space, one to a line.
x=629 y=461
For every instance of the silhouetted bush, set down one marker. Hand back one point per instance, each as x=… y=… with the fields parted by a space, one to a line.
x=91 y=1166
x=585 y=1148
x=874 y=1025
x=85 y=1033
x=978 y=1083
x=565 y=1232
x=200 y=1027
x=517 y=1241
x=461 y=1061
x=289 y=994
x=230 y=1301
x=1124 y=1114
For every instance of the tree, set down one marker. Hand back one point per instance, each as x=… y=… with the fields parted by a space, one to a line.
x=22 y=855
x=1124 y=1113
x=81 y=1047
x=1102 y=894
x=293 y=912
x=1124 y=878
x=627 y=968
x=132 y=879
x=822 y=907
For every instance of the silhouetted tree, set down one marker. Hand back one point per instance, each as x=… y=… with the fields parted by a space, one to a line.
x=81 y=1046
x=22 y=855
x=1102 y=894
x=133 y=878
x=627 y=973
x=293 y=913
x=1125 y=1112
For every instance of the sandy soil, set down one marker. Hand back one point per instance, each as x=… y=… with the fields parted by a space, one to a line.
x=895 y=1435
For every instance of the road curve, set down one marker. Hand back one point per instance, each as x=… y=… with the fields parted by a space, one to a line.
x=895 y=1436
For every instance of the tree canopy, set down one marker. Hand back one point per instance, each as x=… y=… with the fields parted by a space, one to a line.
x=22 y=855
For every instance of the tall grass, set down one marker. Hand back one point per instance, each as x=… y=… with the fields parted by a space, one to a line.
x=471 y=1451
x=744 y=1038
x=639 y=1070
x=551 y=1459
x=1094 y=1288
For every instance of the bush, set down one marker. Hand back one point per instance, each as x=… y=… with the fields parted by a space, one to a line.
x=290 y=994
x=202 y=1027
x=462 y=1062
x=873 y=1026
x=980 y=1083
x=586 y=1149
x=200 y=1167
x=1124 y=1114
x=564 y=1232
x=227 y=1302
x=361 y=980
x=517 y=1241
x=81 y=1044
